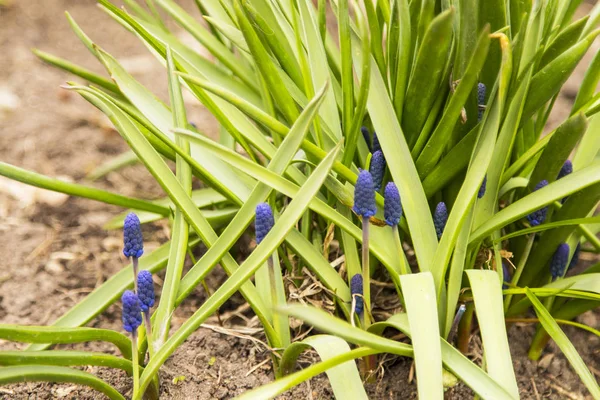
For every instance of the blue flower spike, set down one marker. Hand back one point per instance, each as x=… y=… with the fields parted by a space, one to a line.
x=356 y=288
x=145 y=290
x=367 y=136
x=264 y=221
x=132 y=312
x=559 y=261
x=440 y=217
x=575 y=258
x=482 y=188
x=506 y=275
x=481 y=89
x=392 y=207
x=377 y=169
x=364 y=195
x=376 y=145
x=539 y=216
x=565 y=170
x=133 y=242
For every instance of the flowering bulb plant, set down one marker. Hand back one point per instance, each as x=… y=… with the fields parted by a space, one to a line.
x=459 y=95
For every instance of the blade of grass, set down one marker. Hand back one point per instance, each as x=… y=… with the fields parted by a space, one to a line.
x=66 y=358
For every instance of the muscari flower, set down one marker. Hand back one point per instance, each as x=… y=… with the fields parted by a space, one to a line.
x=145 y=290
x=264 y=221
x=376 y=145
x=506 y=276
x=559 y=261
x=539 y=216
x=565 y=170
x=481 y=89
x=133 y=242
x=356 y=288
x=366 y=136
x=364 y=195
x=575 y=258
x=440 y=217
x=482 y=188
x=132 y=313
x=392 y=207
x=377 y=169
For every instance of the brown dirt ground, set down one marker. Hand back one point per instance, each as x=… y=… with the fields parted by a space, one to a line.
x=55 y=251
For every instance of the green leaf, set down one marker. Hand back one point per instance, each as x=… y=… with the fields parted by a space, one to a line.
x=442 y=134
x=427 y=76
x=344 y=378
x=402 y=168
x=74 y=189
x=421 y=306
x=549 y=225
x=113 y=164
x=454 y=360
x=487 y=293
x=548 y=81
x=180 y=228
x=271 y=390
x=554 y=191
x=588 y=85
x=66 y=358
x=43 y=373
x=55 y=335
x=565 y=345
x=558 y=149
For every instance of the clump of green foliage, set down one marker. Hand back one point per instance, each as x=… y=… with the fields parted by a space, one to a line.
x=459 y=94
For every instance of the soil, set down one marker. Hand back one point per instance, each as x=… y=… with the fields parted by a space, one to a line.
x=55 y=250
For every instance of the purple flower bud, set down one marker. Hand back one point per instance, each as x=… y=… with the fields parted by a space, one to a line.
x=482 y=188
x=377 y=169
x=481 y=89
x=558 y=264
x=392 y=208
x=575 y=258
x=376 y=145
x=132 y=313
x=440 y=217
x=506 y=275
x=538 y=217
x=133 y=242
x=145 y=290
x=356 y=288
x=264 y=221
x=364 y=195
x=366 y=136
x=566 y=169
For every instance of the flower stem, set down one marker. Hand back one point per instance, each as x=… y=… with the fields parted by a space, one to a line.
x=135 y=363
x=134 y=261
x=404 y=269
x=366 y=272
x=148 y=332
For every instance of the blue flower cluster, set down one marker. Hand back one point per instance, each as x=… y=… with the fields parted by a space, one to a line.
x=132 y=237
x=264 y=221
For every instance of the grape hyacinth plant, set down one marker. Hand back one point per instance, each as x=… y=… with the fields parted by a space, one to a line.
x=459 y=95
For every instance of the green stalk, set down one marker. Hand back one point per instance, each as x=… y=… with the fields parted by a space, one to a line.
x=404 y=269
x=135 y=363
x=366 y=273
x=519 y=271
x=149 y=339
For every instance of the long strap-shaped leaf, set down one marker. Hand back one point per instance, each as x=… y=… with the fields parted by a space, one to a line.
x=487 y=293
x=344 y=378
x=45 y=373
x=66 y=358
x=273 y=239
x=54 y=335
x=565 y=345
x=421 y=305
